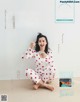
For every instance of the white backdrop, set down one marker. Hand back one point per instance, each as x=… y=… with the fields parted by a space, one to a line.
x=20 y=21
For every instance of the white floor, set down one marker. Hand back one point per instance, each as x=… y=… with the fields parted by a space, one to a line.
x=22 y=91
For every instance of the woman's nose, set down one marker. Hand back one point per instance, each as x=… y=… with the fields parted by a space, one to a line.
x=42 y=43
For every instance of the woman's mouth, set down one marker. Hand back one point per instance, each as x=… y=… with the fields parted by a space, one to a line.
x=41 y=45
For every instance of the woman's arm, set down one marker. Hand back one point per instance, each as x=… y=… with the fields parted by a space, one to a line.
x=30 y=53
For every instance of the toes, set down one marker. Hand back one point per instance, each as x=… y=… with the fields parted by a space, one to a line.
x=35 y=87
x=52 y=89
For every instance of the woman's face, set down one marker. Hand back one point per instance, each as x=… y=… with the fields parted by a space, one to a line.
x=42 y=42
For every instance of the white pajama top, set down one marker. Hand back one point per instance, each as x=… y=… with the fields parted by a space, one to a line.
x=44 y=70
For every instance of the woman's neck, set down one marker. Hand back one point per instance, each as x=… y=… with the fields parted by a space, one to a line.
x=42 y=49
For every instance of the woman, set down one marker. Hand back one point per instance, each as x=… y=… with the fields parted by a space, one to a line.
x=44 y=71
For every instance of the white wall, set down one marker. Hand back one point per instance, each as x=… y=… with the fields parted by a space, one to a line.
x=31 y=17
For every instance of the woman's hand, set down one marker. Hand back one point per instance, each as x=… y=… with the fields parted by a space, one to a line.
x=32 y=45
x=43 y=54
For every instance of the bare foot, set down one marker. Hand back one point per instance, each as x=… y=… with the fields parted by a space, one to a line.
x=42 y=84
x=49 y=87
x=36 y=86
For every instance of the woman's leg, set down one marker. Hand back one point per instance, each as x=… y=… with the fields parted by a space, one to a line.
x=36 y=86
x=47 y=77
x=32 y=75
x=44 y=85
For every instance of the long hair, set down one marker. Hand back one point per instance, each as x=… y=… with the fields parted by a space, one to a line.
x=37 y=48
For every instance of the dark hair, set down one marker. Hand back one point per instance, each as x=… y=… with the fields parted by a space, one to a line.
x=37 y=48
